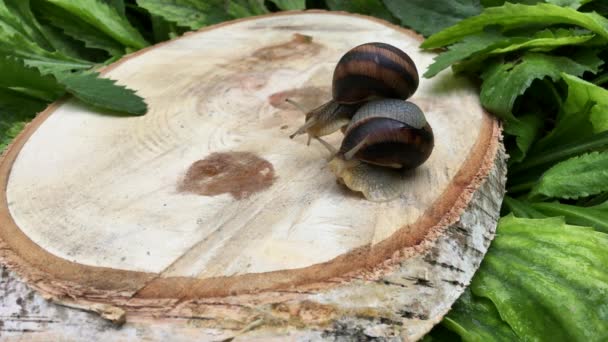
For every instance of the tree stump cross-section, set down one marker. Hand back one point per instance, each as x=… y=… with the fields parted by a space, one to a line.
x=205 y=209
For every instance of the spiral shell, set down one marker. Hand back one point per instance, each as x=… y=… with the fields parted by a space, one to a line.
x=374 y=70
x=388 y=132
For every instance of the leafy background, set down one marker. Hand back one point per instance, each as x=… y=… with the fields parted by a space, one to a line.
x=540 y=66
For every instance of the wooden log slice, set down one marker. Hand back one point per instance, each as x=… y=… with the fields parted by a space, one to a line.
x=204 y=208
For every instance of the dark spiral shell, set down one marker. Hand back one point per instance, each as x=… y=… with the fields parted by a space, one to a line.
x=374 y=70
x=395 y=134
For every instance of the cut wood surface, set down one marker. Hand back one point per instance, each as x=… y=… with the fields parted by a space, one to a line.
x=205 y=208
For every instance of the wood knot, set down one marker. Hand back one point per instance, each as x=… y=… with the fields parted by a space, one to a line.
x=240 y=174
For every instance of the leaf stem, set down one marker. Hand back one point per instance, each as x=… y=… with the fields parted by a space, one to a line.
x=594 y=142
x=554 y=92
x=601 y=79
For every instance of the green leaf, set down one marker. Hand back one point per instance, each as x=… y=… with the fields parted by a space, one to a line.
x=105 y=19
x=18 y=13
x=476 y=319
x=189 y=13
x=547 y=279
x=569 y=3
x=288 y=5
x=69 y=46
x=599 y=201
x=162 y=29
x=246 y=8
x=16 y=75
x=603 y=205
x=564 y=3
x=582 y=113
x=521 y=209
x=576 y=177
x=504 y=82
x=601 y=79
x=580 y=93
x=510 y=16
x=471 y=45
x=547 y=40
x=9 y=132
x=538 y=159
x=78 y=29
x=493 y=3
x=102 y=92
x=16 y=110
x=525 y=129
x=583 y=216
x=428 y=17
x=374 y=8
x=34 y=56
x=487 y=44
x=118 y=5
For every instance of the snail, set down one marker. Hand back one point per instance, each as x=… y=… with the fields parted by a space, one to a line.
x=366 y=72
x=384 y=138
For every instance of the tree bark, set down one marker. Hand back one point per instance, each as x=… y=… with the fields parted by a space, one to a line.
x=204 y=209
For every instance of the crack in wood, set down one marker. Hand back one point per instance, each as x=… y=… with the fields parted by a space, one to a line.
x=445 y=265
x=454 y=282
x=410 y=314
x=461 y=230
x=21 y=330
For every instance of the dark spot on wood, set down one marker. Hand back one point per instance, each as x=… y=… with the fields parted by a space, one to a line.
x=462 y=230
x=454 y=282
x=300 y=46
x=420 y=281
x=423 y=282
x=285 y=127
x=386 y=282
x=21 y=330
x=384 y=320
x=445 y=265
x=411 y=314
x=240 y=174
x=342 y=331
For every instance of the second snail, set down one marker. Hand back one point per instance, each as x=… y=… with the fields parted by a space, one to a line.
x=384 y=135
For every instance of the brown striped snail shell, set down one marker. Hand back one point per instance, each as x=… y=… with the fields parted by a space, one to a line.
x=374 y=70
x=388 y=132
x=384 y=134
x=368 y=71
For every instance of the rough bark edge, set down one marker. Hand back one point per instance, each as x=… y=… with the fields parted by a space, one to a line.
x=117 y=286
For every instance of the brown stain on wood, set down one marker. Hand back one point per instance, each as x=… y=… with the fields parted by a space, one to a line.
x=300 y=46
x=240 y=174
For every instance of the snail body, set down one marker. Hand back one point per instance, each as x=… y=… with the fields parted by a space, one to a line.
x=366 y=72
x=384 y=138
x=326 y=119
